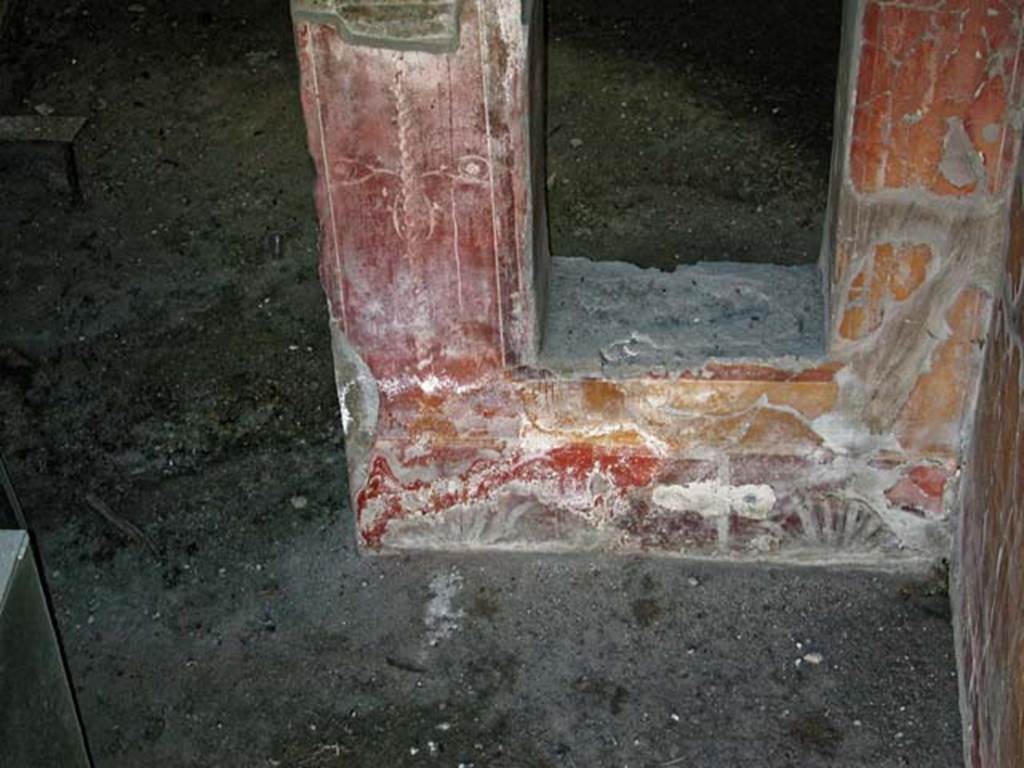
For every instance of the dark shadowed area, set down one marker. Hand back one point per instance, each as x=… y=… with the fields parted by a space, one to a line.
x=689 y=131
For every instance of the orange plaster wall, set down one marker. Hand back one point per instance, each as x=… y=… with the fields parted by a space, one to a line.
x=921 y=208
x=931 y=75
x=456 y=436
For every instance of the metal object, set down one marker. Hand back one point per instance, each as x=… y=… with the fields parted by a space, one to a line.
x=39 y=724
x=11 y=496
x=39 y=129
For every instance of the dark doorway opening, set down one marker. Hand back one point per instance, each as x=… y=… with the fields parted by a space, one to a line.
x=681 y=132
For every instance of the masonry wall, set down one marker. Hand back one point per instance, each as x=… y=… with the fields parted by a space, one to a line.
x=423 y=133
x=989 y=599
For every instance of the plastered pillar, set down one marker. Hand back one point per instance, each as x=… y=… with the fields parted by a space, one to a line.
x=424 y=126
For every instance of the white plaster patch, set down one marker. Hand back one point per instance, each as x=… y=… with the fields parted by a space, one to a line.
x=713 y=499
x=991 y=132
x=346 y=415
x=430 y=384
x=961 y=164
x=442 y=617
x=845 y=433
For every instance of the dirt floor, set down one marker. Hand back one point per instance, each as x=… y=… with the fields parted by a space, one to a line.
x=158 y=353
x=680 y=130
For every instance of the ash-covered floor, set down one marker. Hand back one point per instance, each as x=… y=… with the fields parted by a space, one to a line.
x=617 y=319
x=158 y=353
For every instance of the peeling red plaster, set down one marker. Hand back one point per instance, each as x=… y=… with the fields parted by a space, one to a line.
x=474 y=444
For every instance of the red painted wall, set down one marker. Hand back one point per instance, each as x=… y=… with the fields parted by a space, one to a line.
x=432 y=260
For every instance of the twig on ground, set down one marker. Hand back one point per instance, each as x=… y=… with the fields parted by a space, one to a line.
x=405 y=666
x=126 y=529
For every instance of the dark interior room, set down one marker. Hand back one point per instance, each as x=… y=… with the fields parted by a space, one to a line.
x=511 y=383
